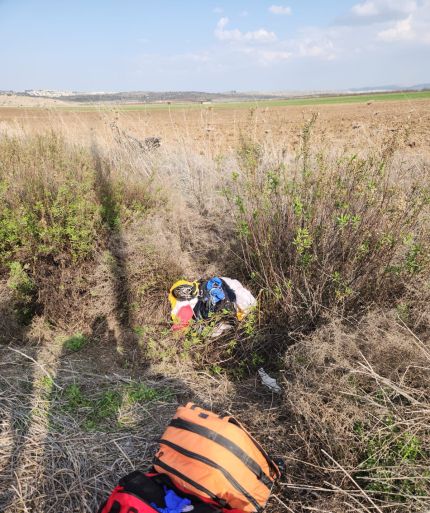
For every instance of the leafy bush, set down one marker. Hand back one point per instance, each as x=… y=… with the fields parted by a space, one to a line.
x=48 y=205
x=329 y=233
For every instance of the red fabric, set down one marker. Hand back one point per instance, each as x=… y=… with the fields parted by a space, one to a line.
x=184 y=316
x=126 y=501
x=130 y=501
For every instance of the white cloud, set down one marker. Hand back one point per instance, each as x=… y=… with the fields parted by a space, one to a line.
x=261 y=35
x=401 y=31
x=378 y=11
x=280 y=9
x=370 y=8
x=365 y=9
x=322 y=49
x=269 y=56
x=415 y=28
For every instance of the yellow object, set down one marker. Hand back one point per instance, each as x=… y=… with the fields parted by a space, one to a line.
x=240 y=315
x=172 y=298
x=174 y=301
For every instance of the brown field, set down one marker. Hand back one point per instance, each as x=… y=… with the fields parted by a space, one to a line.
x=213 y=130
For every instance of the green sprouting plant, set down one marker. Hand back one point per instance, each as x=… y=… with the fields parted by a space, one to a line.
x=302 y=241
x=24 y=291
x=343 y=220
x=342 y=289
x=141 y=392
x=298 y=206
x=244 y=230
x=250 y=154
x=76 y=342
x=385 y=451
x=75 y=398
x=412 y=260
x=257 y=360
x=239 y=204
x=273 y=180
x=216 y=369
x=20 y=282
x=231 y=346
x=250 y=321
x=403 y=311
x=46 y=384
x=363 y=249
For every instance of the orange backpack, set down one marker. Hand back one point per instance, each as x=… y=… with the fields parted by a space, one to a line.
x=215 y=458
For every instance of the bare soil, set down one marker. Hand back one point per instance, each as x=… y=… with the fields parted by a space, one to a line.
x=216 y=130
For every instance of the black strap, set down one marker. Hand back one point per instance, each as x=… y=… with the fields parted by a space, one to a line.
x=185 y=478
x=212 y=464
x=269 y=460
x=253 y=466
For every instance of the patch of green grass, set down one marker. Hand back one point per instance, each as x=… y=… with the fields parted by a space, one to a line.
x=247 y=104
x=75 y=398
x=386 y=451
x=102 y=409
x=75 y=342
x=141 y=393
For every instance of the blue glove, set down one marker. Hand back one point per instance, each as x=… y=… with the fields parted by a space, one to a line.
x=174 y=504
x=214 y=287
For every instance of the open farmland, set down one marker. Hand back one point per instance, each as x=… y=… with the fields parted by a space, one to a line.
x=322 y=210
x=217 y=128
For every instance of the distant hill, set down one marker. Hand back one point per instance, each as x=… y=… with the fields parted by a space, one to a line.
x=149 y=96
x=389 y=88
x=138 y=97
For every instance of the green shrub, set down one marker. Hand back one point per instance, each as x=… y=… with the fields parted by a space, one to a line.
x=48 y=205
x=329 y=233
x=24 y=292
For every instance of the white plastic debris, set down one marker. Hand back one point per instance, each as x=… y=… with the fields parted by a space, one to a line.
x=269 y=382
x=220 y=329
x=190 y=507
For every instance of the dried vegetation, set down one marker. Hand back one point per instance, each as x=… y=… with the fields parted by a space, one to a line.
x=334 y=244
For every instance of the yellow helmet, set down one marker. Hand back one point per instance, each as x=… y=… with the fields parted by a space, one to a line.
x=184 y=290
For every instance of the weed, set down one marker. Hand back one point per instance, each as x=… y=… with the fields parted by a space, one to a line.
x=75 y=342
x=141 y=393
x=101 y=410
x=24 y=291
x=386 y=451
x=75 y=398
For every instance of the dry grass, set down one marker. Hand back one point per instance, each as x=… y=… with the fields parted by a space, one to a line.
x=360 y=397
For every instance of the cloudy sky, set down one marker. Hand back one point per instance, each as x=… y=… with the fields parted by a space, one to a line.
x=118 y=45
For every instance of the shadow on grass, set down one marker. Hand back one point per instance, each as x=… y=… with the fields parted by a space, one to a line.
x=16 y=399
x=127 y=342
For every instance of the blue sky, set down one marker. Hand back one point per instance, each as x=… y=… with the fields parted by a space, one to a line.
x=120 y=45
